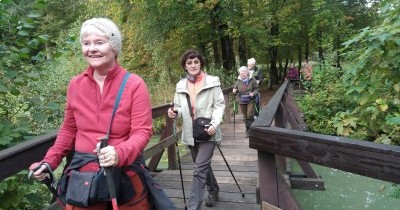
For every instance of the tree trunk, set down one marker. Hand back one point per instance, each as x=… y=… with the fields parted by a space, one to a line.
x=307 y=47
x=273 y=52
x=286 y=67
x=228 y=58
x=337 y=49
x=242 y=51
x=203 y=50
x=300 y=58
x=281 y=72
x=214 y=31
x=320 y=50
x=273 y=71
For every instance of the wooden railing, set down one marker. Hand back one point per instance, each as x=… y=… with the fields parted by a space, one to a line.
x=278 y=134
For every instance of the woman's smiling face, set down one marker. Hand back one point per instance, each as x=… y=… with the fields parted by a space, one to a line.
x=98 y=51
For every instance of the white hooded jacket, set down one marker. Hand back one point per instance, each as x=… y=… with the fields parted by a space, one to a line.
x=210 y=103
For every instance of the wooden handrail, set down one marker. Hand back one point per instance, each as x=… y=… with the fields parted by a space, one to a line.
x=365 y=158
x=21 y=156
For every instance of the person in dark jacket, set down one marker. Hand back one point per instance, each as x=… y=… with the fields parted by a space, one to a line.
x=257 y=74
x=246 y=88
x=292 y=73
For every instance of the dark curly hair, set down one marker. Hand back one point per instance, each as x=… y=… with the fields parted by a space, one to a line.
x=191 y=54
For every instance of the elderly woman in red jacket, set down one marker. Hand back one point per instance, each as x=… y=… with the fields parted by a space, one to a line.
x=90 y=100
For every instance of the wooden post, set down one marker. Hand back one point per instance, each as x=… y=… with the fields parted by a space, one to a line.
x=268 y=178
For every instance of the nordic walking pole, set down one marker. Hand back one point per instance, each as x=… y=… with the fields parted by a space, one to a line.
x=180 y=172
x=234 y=114
x=179 y=159
x=230 y=170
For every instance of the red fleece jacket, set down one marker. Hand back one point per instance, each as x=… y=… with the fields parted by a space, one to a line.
x=88 y=114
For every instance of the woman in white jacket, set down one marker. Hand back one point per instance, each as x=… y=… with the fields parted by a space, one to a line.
x=206 y=100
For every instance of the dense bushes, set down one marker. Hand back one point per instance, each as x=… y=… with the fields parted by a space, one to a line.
x=362 y=100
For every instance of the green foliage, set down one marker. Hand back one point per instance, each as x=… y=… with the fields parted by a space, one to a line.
x=227 y=80
x=20 y=52
x=18 y=193
x=396 y=194
x=32 y=92
x=370 y=82
x=326 y=100
x=373 y=81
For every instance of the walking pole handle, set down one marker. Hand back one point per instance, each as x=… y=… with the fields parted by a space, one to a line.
x=108 y=171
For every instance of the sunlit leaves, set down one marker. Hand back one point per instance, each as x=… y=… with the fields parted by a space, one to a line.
x=350 y=122
x=382 y=105
x=44 y=37
x=374 y=60
x=383 y=139
x=34 y=15
x=23 y=33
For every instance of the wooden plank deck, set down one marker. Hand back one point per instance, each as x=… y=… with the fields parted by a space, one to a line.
x=242 y=161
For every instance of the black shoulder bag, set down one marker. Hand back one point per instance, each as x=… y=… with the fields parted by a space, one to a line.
x=200 y=124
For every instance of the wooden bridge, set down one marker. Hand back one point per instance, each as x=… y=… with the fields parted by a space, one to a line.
x=260 y=163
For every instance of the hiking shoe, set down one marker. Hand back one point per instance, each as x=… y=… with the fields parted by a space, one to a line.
x=211 y=200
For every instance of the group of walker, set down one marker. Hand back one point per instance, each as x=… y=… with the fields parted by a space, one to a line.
x=247 y=93
x=248 y=84
x=303 y=76
x=108 y=123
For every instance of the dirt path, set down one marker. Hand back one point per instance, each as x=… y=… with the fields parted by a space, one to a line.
x=266 y=94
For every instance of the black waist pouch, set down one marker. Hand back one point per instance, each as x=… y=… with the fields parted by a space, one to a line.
x=199 y=125
x=83 y=189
